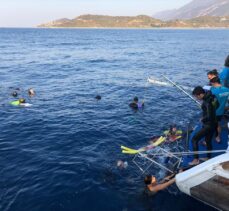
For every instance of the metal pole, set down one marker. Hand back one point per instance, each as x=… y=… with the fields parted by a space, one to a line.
x=181 y=89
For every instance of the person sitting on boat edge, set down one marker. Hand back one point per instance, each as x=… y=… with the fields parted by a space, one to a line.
x=18 y=102
x=209 y=122
x=152 y=187
x=222 y=94
x=224 y=74
x=135 y=104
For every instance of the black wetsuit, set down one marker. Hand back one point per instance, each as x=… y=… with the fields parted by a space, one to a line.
x=209 y=106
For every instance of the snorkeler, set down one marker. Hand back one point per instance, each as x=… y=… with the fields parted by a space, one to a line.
x=98 y=97
x=122 y=164
x=152 y=187
x=173 y=133
x=19 y=102
x=135 y=104
x=31 y=92
x=14 y=94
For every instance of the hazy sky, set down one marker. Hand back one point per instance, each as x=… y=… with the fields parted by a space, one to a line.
x=27 y=13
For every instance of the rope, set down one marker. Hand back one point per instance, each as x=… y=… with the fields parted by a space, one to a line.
x=189 y=153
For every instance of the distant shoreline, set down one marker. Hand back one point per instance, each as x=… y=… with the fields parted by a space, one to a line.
x=123 y=28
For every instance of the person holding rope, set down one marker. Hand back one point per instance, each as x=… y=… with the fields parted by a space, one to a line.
x=209 y=122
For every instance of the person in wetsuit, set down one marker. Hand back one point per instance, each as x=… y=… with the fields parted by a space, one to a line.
x=152 y=187
x=209 y=122
x=135 y=104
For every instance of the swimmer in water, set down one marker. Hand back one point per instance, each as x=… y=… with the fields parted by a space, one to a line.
x=135 y=104
x=14 y=94
x=121 y=164
x=19 y=102
x=98 y=97
x=31 y=92
x=152 y=187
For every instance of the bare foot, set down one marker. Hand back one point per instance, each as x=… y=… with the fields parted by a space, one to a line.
x=217 y=139
x=194 y=162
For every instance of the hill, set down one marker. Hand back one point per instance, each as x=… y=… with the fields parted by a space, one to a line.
x=99 y=21
x=141 y=21
x=196 y=8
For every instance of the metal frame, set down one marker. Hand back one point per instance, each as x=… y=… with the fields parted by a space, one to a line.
x=150 y=155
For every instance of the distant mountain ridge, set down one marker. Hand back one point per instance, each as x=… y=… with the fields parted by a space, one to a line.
x=196 y=8
x=141 y=21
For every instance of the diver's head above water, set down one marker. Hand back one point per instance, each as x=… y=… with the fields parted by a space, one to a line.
x=14 y=94
x=150 y=180
x=21 y=100
x=31 y=92
x=135 y=99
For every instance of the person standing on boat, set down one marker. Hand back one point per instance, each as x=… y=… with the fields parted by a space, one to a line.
x=224 y=75
x=222 y=94
x=212 y=74
x=209 y=106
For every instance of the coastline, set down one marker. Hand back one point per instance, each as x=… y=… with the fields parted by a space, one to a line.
x=124 y=28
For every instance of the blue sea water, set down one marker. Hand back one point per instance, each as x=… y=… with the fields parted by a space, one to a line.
x=61 y=153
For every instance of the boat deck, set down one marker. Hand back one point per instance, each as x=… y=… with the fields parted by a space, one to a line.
x=223 y=145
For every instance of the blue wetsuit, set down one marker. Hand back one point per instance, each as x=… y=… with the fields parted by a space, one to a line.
x=224 y=77
x=222 y=94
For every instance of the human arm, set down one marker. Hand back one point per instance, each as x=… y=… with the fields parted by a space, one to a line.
x=162 y=186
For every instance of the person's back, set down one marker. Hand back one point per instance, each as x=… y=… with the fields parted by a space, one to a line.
x=209 y=106
x=224 y=75
x=221 y=94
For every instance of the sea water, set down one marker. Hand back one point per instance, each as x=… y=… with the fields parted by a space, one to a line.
x=61 y=153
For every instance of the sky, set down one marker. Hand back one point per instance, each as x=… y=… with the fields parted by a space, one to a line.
x=30 y=13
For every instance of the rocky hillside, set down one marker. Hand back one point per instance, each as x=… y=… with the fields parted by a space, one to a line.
x=141 y=21
x=197 y=8
x=99 y=21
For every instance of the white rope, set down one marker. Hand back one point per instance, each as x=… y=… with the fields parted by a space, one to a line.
x=188 y=153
